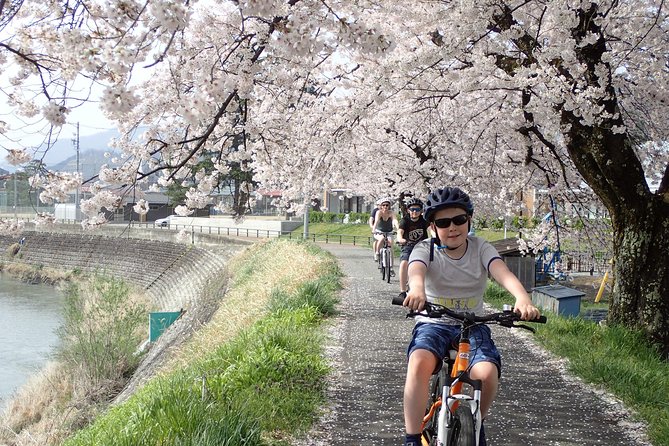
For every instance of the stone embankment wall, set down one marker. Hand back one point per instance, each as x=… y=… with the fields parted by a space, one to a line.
x=172 y=274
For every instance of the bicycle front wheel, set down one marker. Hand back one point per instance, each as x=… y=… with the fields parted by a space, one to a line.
x=436 y=387
x=382 y=264
x=465 y=434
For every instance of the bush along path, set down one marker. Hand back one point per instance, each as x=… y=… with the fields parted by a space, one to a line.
x=538 y=402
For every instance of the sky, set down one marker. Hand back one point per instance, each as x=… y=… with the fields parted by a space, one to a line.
x=22 y=135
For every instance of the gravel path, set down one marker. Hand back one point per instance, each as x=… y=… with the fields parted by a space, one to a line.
x=538 y=402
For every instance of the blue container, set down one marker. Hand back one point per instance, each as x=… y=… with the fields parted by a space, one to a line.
x=558 y=299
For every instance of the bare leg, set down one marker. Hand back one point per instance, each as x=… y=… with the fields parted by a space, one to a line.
x=421 y=365
x=404 y=268
x=486 y=372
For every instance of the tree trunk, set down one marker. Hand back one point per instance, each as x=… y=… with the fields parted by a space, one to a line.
x=640 y=297
x=640 y=221
x=640 y=218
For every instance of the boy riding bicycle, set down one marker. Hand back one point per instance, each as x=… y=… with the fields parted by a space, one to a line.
x=451 y=269
x=412 y=229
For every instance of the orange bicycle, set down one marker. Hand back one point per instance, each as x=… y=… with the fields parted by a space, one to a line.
x=453 y=417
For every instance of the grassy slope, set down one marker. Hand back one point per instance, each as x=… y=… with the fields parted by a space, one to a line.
x=254 y=375
x=612 y=358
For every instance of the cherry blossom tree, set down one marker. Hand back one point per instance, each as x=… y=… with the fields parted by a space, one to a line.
x=378 y=97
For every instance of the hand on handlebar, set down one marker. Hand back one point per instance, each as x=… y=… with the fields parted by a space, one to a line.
x=415 y=300
x=527 y=311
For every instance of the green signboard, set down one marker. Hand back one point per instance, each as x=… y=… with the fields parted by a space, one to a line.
x=159 y=321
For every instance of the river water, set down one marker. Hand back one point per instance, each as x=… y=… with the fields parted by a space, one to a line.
x=29 y=318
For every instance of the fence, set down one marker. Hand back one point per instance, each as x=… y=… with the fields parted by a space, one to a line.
x=356 y=240
x=586 y=263
x=578 y=262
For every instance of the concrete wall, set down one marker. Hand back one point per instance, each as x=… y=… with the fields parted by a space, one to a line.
x=273 y=226
x=173 y=274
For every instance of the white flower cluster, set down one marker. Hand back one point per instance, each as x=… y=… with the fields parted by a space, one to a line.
x=103 y=199
x=121 y=175
x=169 y=15
x=183 y=236
x=45 y=219
x=17 y=156
x=11 y=227
x=94 y=222
x=118 y=101
x=56 y=186
x=183 y=210
x=196 y=199
x=534 y=241
x=55 y=114
x=141 y=207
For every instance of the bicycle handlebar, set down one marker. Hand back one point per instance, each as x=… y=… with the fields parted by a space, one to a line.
x=504 y=318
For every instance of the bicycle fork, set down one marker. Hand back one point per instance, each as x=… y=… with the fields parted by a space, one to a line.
x=450 y=427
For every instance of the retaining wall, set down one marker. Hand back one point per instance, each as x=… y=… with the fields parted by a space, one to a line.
x=172 y=274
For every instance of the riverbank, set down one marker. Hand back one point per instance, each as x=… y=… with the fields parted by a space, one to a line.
x=173 y=276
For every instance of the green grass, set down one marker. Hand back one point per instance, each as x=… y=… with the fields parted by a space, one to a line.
x=362 y=233
x=610 y=357
x=265 y=384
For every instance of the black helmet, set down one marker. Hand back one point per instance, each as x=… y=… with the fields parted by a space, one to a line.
x=448 y=197
x=413 y=202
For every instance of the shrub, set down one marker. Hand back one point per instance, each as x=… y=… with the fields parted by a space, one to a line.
x=100 y=333
x=12 y=250
x=496 y=223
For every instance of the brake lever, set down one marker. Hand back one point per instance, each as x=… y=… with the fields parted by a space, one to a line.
x=526 y=327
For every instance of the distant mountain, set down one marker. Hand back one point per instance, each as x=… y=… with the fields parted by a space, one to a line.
x=65 y=148
x=3 y=171
x=90 y=162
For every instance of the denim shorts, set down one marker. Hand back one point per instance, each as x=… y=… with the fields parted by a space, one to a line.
x=438 y=339
x=406 y=252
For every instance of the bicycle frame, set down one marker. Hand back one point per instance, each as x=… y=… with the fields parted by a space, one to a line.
x=448 y=423
x=385 y=258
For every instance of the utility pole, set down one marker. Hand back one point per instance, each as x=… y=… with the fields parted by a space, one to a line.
x=16 y=195
x=76 y=193
x=305 y=233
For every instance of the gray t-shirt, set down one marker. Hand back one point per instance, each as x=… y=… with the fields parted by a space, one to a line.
x=457 y=284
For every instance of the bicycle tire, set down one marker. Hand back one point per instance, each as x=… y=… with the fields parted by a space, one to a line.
x=389 y=267
x=382 y=264
x=435 y=388
x=465 y=433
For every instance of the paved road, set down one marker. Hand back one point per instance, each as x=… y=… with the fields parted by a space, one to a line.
x=538 y=404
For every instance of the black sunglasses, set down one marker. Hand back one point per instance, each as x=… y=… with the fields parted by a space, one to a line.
x=415 y=209
x=446 y=222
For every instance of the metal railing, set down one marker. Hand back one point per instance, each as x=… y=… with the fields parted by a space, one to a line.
x=340 y=239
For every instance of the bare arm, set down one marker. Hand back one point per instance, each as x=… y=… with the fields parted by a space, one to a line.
x=415 y=299
x=376 y=221
x=503 y=275
x=400 y=236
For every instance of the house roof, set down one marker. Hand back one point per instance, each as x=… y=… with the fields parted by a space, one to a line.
x=507 y=246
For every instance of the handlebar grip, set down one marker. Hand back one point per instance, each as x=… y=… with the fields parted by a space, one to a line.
x=397 y=300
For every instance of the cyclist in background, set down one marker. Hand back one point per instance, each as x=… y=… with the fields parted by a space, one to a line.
x=451 y=269
x=384 y=222
x=412 y=229
x=372 y=218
